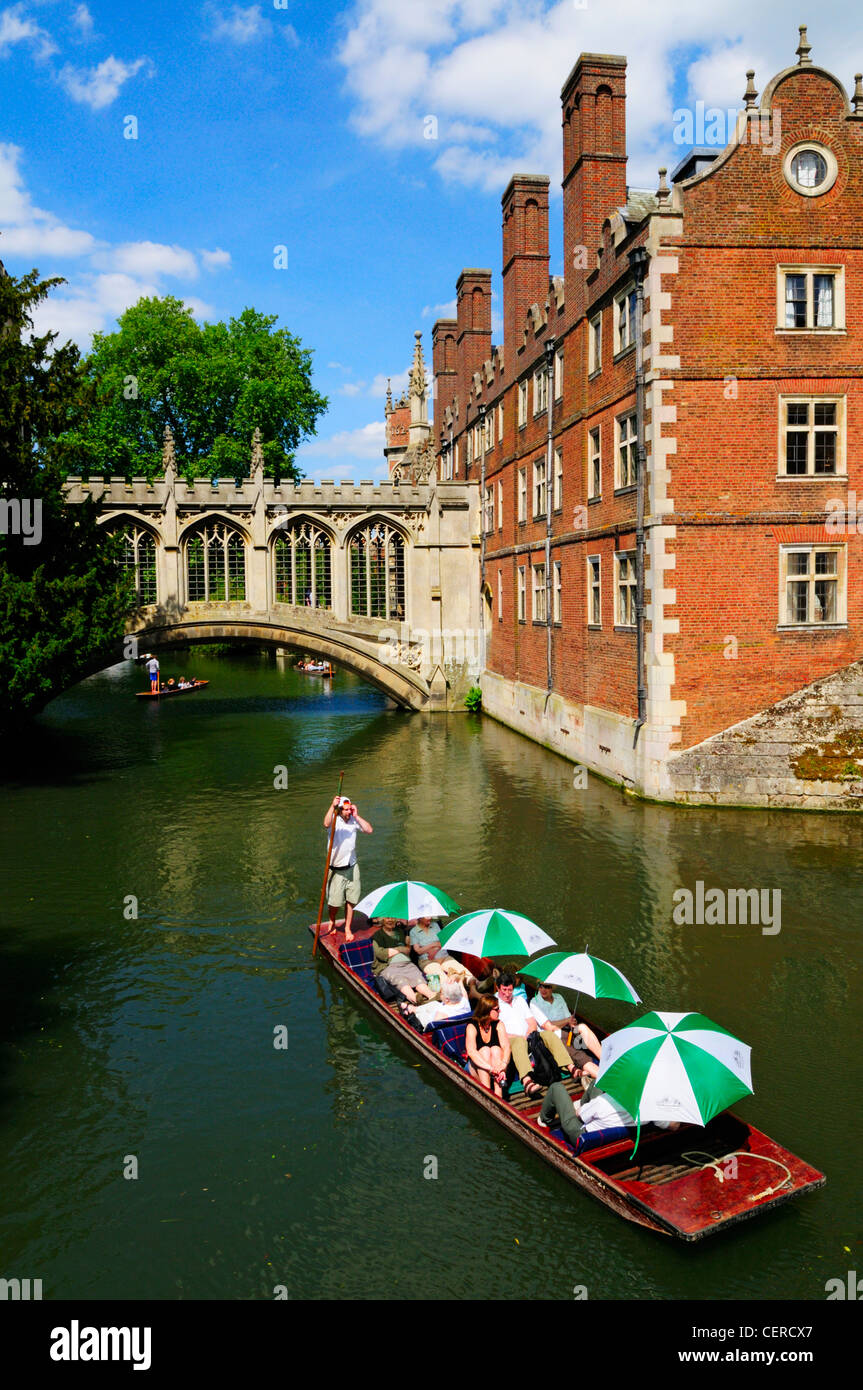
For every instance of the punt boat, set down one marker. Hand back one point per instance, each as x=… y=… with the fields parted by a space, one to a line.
x=172 y=690
x=316 y=668
x=688 y=1183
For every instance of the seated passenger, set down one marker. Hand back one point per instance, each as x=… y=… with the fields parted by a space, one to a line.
x=552 y=1013
x=594 y=1120
x=520 y=1023
x=453 y=1001
x=393 y=963
x=487 y=1046
x=424 y=936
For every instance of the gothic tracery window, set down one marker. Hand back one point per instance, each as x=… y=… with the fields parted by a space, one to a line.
x=377 y=572
x=302 y=566
x=139 y=561
x=216 y=564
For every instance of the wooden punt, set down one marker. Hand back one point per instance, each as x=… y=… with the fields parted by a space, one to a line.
x=321 y=668
x=688 y=1183
x=172 y=690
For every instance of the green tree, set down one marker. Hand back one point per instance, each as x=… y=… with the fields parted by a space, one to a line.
x=212 y=384
x=63 y=601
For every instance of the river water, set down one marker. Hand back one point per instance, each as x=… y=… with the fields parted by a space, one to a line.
x=146 y=1043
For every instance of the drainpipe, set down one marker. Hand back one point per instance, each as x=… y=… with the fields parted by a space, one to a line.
x=638 y=260
x=549 y=503
x=482 y=410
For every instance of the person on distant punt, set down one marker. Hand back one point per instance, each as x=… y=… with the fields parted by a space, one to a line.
x=343 y=883
x=552 y=1013
x=519 y=1022
x=487 y=1045
x=392 y=963
x=153 y=672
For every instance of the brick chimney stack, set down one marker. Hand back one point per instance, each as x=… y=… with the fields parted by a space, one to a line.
x=594 y=162
x=525 y=257
x=444 y=335
x=473 y=329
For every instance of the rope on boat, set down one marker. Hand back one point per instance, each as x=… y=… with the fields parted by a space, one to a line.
x=741 y=1153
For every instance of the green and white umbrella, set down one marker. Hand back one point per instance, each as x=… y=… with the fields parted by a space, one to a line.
x=579 y=971
x=494 y=932
x=674 y=1067
x=407 y=899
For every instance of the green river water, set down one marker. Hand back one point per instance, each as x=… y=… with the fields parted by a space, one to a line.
x=153 y=1037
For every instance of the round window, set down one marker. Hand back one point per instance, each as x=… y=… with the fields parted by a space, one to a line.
x=810 y=169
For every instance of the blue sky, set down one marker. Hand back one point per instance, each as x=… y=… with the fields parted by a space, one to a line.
x=305 y=125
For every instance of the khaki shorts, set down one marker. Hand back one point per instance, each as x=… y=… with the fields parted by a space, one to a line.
x=344 y=886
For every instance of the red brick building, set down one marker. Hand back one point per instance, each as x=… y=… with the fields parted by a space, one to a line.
x=741 y=684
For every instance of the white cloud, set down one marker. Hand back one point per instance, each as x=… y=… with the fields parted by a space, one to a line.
x=26 y=230
x=143 y=258
x=491 y=72
x=352 y=388
x=216 y=260
x=239 y=24
x=366 y=442
x=398 y=382
x=91 y=305
x=106 y=280
x=98 y=87
x=441 y=311
x=83 y=21
x=16 y=27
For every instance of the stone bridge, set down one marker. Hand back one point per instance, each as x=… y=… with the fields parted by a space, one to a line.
x=381 y=578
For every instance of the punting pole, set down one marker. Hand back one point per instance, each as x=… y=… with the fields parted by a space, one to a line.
x=327 y=870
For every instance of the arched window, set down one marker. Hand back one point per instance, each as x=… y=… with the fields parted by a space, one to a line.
x=139 y=560
x=377 y=559
x=215 y=564
x=301 y=566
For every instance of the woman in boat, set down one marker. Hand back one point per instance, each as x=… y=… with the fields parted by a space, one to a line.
x=393 y=964
x=453 y=1002
x=487 y=1045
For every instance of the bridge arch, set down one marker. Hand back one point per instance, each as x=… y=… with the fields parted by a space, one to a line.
x=366 y=659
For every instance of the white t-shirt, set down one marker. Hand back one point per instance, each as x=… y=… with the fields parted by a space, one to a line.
x=604 y=1113
x=344 y=843
x=153 y=666
x=547 y=1010
x=516 y=1016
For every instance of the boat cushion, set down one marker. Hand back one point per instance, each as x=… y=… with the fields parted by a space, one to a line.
x=358 y=957
x=449 y=1039
x=597 y=1137
x=453 y=1018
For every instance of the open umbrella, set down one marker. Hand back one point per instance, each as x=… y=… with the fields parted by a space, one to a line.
x=674 y=1067
x=587 y=974
x=492 y=931
x=407 y=899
